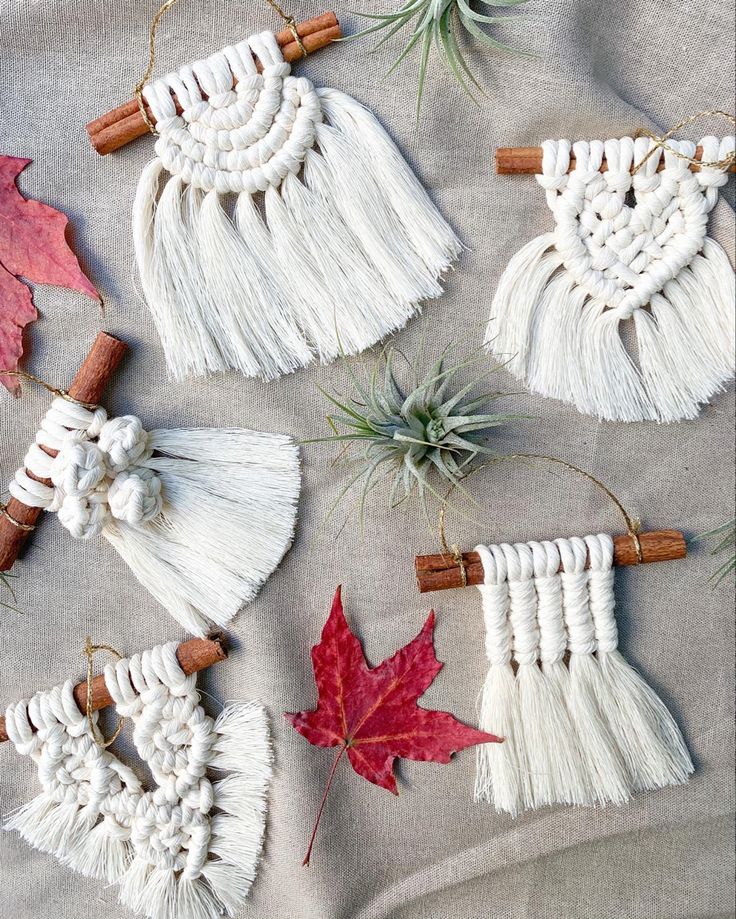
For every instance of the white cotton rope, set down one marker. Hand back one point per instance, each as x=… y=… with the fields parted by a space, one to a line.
x=201 y=516
x=586 y=732
x=557 y=315
x=340 y=252
x=189 y=848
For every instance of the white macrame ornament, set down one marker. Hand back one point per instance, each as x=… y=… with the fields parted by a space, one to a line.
x=557 y=315
x=202 y=516
x=344 y=248
x=589 y=731
x=187 y=849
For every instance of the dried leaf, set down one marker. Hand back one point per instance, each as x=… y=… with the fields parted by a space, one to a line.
x=371 y=713
x=33 y=246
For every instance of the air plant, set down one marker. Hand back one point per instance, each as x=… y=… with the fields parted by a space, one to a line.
x=436 y=23
x=421 y=438
x=6 y=585
x=727 y=544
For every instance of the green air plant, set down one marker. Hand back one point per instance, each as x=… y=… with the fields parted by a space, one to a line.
x=422 y=438
x=6 y=586
x=727 y=545
x=436 y=23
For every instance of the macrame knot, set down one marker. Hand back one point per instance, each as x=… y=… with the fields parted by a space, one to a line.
x=495 y=592
x=523 y=602
x=79 y=467
x=95 y=815
x=84 y=516
x=621 y=254
x=99 y=470
x=124 y=442
x=234 y=138
x=135 y=496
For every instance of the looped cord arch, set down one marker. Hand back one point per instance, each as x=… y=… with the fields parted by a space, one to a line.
x=60 y=393
x=633 y=524
x=89 y=652
x=159 y=15
x=724 y=163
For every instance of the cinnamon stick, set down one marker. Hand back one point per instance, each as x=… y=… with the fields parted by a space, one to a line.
x=87 y=386
x=193 y=656
x=442 y=572
x=528 y=161
x=125 y=123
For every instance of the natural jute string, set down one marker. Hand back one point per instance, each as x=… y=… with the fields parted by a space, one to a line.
x=62 y=393
x=162 y=10
x=26 y=527
x=290 y=25
x=633 y=524
x=453 y=550
x=725 y=163
x=151 y=61
x=99 y=738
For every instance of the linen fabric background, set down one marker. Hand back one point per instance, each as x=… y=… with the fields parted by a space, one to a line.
x=602 y=69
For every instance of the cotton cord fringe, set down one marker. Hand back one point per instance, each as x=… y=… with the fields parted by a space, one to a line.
x=587 y=732
x=188 y=849
x=345 y=248
x=201 y=516
x=557 y=315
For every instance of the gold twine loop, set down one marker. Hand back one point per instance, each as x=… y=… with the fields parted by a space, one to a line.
x=290 y=25
x=61 y=393
x=634 y=533
x=26 y=527
x=453 y=550
x=151 y=62
x=633 y=524
x=99 y=738
x=726 y=163
x=162 y=10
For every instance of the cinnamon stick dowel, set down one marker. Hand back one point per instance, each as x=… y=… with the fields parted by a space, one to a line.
x=193 y=656
x=528 y=161
x=442 y=572
x=124 y=124
x=87 y=386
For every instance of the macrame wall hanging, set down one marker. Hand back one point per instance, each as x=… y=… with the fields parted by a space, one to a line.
x=629 y=243
x=187 y=847
x=341 y=250
x=202 y=516
x=580 y=725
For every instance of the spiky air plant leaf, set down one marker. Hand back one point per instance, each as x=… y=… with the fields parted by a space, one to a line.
x=423 y=438
x=436 y=23
x=7 y=588
x=726 y=545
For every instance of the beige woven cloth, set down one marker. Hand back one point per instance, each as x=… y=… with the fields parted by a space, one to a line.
x=604 y=68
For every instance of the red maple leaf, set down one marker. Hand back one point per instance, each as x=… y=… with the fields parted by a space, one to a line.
x=33 y=246
x=371 y=712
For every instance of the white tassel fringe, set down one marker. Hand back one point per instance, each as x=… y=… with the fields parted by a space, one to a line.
x=103 y=850
x=592 y=732
x=339 y=256
x=228 y=519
